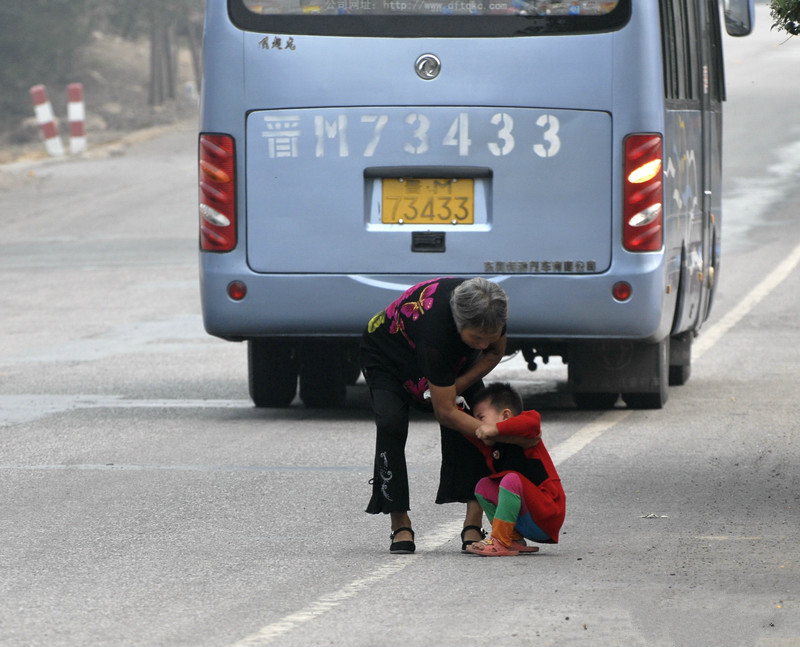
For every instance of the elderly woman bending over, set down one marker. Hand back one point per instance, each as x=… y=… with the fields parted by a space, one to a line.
x=442 y=337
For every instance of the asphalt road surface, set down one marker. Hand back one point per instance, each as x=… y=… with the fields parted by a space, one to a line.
x=144 y=501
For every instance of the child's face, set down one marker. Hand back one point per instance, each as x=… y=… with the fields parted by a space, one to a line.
x=486 y=413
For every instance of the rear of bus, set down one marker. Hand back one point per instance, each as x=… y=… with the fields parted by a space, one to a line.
x=351 y=148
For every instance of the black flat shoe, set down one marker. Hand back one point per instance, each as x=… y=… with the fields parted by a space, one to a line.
x=402 y=547
x=468 y=542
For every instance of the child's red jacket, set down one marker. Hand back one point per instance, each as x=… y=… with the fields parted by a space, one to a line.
x=544 y=495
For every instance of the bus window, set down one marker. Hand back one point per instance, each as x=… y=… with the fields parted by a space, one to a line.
x=680 y=46
x=446 y=18
x=469 y=7
x=717 y=67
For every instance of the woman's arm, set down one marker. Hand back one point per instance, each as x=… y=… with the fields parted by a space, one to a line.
x=447 y=412
x=449 y=415
x=485 y=363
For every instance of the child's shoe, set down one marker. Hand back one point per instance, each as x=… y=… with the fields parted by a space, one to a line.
x=491 y=547
x=523 y=547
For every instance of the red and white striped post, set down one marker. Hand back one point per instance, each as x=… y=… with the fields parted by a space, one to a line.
x=47 y=121
x=76 y=114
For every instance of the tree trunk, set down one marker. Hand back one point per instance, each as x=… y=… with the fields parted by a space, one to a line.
x=163 y=59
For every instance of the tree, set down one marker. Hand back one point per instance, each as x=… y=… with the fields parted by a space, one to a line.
x=786 y=15
x=40 y=41
x=164 y=22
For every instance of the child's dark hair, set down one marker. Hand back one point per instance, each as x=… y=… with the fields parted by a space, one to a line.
x=501 y=395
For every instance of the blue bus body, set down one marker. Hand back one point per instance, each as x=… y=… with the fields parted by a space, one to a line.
x=326 y=121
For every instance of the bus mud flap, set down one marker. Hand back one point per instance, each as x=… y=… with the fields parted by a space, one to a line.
x=639 y=371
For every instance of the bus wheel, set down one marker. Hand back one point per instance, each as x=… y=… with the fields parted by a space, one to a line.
x=323 y=374
x=658 y=378
x=272 y=372
x=595 y=401
x=352 y=367
x=680 y=358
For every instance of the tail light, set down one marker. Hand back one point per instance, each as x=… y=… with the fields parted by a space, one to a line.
x=643 y=229
x=217 y=193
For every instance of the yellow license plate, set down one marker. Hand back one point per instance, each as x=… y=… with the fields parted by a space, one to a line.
x=428 y=201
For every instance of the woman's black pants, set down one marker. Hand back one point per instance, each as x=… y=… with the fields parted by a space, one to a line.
x=462 y=463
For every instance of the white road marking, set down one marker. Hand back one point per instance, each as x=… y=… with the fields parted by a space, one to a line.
x=586 y=434
x=560 y=453
x=441 y=535
x=711 y=336
x=16 y=409
x=322 y=604
x=264 y=636
x=21 y=408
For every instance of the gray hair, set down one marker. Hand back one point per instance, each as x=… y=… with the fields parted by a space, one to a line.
x=479 y=304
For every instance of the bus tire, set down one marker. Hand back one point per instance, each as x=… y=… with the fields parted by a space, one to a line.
x=352 y=367
x=272 y=372
x=595 y=401
x=323 y=374
x=659 y=378
x=680 y=358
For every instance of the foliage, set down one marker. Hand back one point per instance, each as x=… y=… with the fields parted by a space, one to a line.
x=134 y=19
x=40 y=40
x=786 y=15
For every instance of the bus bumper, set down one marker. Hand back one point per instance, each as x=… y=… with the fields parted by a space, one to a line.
x=541 y=306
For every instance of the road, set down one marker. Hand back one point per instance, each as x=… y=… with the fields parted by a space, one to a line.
x=145 y=502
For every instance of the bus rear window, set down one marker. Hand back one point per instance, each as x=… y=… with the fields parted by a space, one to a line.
x=432 y=7
x=447 y=18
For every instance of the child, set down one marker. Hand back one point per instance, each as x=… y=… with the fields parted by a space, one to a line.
x=523 y=497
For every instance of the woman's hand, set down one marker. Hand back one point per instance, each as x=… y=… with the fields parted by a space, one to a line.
x=447 y=412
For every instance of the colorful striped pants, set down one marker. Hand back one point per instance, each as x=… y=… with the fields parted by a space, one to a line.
x=501 y=498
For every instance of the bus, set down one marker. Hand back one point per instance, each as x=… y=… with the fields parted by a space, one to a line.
x=568 y=150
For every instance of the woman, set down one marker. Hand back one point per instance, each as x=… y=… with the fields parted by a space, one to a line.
x=437 y=340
